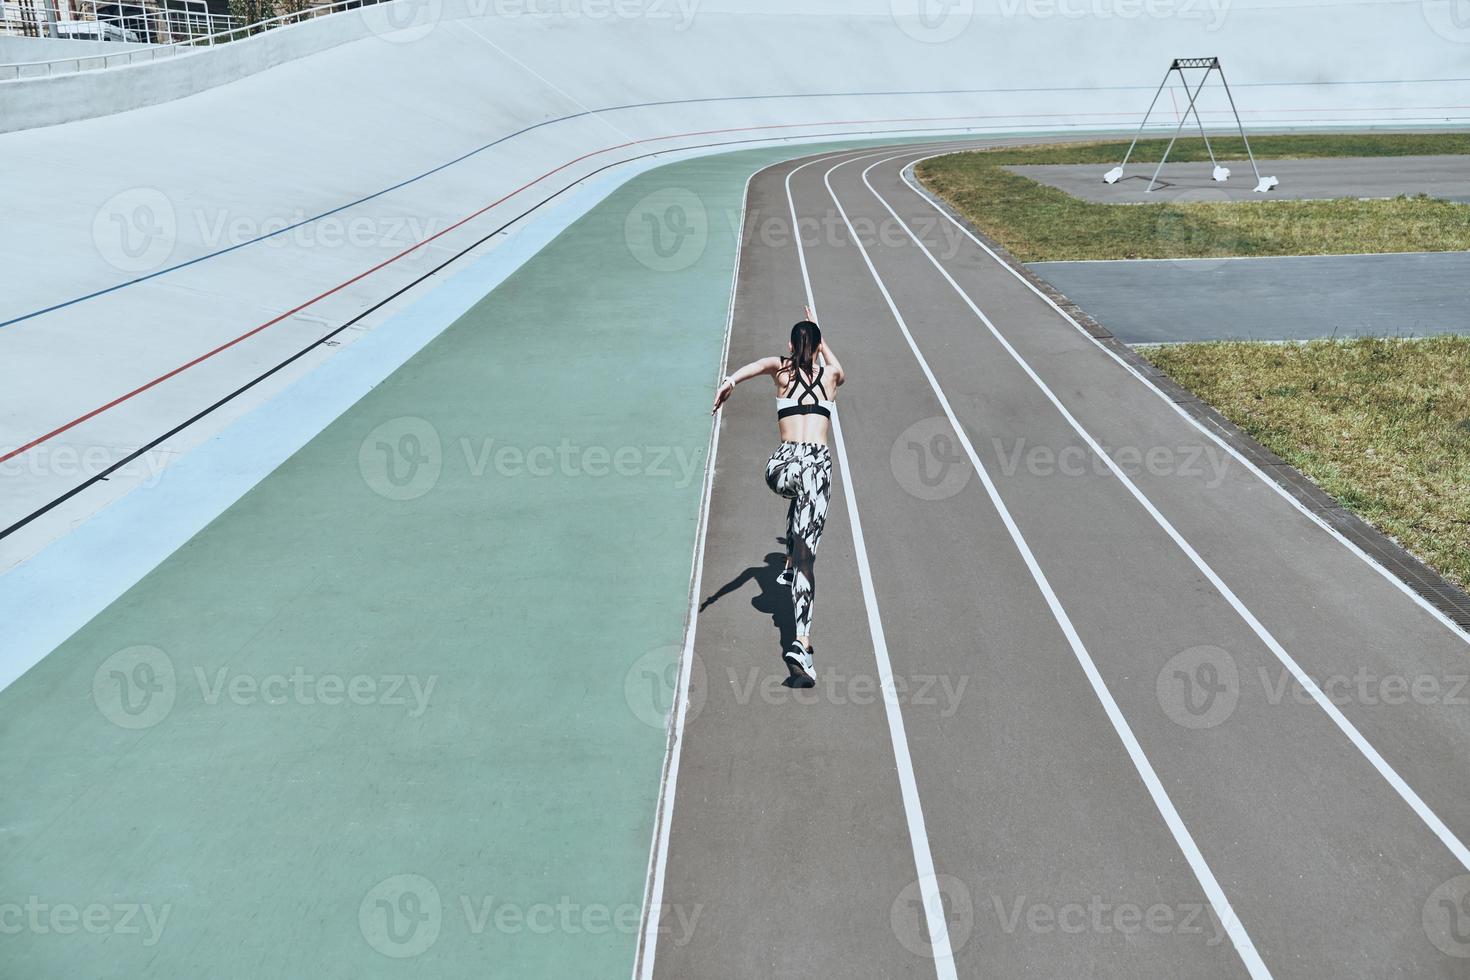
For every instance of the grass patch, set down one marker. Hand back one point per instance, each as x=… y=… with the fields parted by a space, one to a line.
x=1382 y=425
x=1040 y=223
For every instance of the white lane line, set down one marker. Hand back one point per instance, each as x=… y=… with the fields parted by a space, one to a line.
x=1402 y=788
x=1238 y=936
x=1372 y=563
x=658 y=857
x=930 y=895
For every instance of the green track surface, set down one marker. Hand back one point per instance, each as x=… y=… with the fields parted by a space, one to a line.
x=543 y=602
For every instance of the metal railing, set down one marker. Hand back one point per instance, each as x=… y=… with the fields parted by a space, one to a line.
x=142 y=22
x=187 y=44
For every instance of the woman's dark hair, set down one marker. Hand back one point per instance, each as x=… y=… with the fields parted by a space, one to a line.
x=806 y=337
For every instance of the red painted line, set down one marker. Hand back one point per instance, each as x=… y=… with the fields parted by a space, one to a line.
x=531 y=183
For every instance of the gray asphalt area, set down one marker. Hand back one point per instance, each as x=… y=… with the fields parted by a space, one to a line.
x=1147 y=718
x=1279 y=298
x=1361 y=177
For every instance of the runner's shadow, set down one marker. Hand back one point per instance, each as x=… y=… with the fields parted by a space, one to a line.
x=774 y=599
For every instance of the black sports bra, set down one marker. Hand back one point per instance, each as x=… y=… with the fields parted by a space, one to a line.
x=807 y=402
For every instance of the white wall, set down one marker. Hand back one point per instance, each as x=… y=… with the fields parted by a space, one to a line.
x=21 y=49
x=1315 y=61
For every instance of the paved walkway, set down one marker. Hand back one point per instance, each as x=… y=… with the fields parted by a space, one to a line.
x=1438 y=176
x=1278 y=298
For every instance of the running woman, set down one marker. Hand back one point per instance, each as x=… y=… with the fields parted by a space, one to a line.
x=801 y=469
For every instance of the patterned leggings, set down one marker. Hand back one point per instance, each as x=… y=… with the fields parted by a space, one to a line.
x=802 y=471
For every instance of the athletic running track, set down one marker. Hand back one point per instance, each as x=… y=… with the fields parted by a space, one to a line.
x=1144 y=716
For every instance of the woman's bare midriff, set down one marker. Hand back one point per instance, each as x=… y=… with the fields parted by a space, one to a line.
x=804 y=428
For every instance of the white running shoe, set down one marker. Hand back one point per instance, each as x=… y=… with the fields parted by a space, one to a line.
x=799 y=661
x=786 y=576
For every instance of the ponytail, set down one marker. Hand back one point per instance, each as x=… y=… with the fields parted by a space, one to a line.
x=806 y=337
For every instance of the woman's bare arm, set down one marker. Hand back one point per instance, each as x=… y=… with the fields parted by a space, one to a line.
x=833 y=364
x=828 y=358
x=766 y=365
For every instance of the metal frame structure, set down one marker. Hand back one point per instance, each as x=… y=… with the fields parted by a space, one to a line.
x=1219 y=173
x=132 y=21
